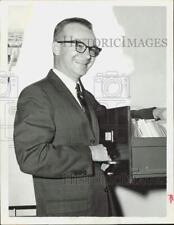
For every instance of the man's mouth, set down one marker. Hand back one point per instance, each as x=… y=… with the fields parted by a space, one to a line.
x=82 y=63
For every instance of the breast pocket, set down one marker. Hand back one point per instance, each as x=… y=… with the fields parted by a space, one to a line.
x=71 y=128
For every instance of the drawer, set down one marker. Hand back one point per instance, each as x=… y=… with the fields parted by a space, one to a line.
x=149 y=141
x=148 y=161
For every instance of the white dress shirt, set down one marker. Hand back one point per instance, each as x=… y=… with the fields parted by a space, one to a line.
x=69 y=83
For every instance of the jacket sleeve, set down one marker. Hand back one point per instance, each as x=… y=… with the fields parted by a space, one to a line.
x=146 y=113
x=98 y=108
x=34 y=132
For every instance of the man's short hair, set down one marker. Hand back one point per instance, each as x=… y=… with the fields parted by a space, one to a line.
x=59 y=27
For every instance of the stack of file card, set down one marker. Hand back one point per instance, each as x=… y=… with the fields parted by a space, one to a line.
x=149 y=128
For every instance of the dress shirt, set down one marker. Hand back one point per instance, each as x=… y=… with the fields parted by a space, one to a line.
x=69 y=83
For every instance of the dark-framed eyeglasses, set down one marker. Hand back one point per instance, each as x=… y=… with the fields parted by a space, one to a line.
x=81 y=47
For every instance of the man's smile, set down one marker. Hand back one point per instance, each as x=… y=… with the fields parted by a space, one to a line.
x=82 y=63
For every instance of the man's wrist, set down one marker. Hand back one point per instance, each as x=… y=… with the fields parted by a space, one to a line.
x=159 y=113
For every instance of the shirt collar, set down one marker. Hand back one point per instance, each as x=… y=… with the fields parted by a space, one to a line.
x=71 y=84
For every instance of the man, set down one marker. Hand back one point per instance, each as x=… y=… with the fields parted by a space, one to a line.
x=56 y=131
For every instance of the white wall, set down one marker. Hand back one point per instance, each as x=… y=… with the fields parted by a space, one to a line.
x=148 y=80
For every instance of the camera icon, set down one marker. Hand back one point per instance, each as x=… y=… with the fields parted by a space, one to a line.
x=6 y=133
x=9 y=112
x=108 y=103
x=7 y=119
x=4 y=87
x=111 y=86
x=8 y=85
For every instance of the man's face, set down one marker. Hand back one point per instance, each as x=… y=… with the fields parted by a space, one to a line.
x=71 y=62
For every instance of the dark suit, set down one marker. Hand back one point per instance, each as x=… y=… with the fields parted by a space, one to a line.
x=51 y=137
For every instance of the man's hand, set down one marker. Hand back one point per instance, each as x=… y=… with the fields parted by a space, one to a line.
x=159 y=113
x=99 y=153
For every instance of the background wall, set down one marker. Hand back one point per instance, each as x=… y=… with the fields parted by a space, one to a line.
x=148 y=80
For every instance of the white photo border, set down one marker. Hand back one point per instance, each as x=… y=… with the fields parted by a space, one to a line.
x=5 y=219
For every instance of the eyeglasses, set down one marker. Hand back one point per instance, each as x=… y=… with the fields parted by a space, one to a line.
x=81 y=47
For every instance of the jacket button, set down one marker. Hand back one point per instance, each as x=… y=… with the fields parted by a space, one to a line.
x=92 y=141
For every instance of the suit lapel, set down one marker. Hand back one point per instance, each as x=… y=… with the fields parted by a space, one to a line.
x=66 y=94
x=62 y=89
x=94 y=122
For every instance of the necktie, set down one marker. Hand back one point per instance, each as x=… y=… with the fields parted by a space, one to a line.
x=82 y=101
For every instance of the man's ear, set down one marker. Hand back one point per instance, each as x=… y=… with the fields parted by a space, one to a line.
x=56 y=48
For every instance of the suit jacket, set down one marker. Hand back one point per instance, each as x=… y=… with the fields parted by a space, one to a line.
x=52 y=136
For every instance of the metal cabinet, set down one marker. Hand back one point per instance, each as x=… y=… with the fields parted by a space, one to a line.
x=137 y=157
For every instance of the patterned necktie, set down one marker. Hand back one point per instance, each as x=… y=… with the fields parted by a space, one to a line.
x=82 y=101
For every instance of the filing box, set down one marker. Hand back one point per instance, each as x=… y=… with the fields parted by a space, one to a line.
x=148 y=157
x=139 y=157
